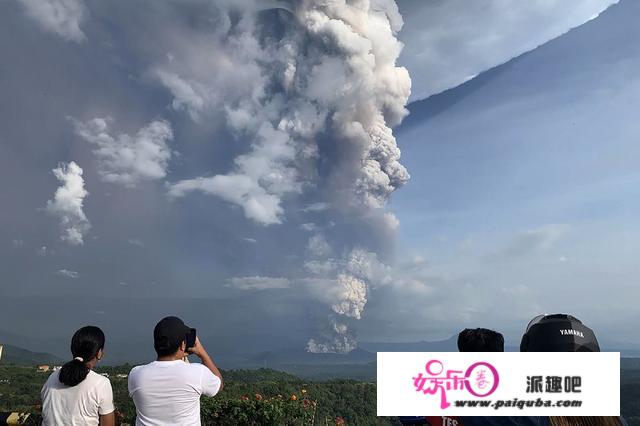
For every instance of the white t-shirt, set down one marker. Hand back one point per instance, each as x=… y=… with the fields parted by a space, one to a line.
x=80 y=405
x=167 y=393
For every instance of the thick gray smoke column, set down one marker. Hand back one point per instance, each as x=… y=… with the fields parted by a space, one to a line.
x=346 y=295
x=363 y=90
x=332 y=74
x=317 y=96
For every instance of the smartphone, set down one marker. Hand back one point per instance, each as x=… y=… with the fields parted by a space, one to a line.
x=191 y=338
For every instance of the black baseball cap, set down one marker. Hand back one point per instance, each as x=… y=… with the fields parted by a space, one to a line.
x=169 y=333
x=558 y=333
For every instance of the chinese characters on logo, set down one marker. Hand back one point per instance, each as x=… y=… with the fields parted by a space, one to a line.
x=480 y=379
x=554 y=384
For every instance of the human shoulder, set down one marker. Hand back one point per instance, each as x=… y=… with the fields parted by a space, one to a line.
x=201 y=370
x=196 y=372
x=55 y=376
x=140 y=368
x=53 y=380
x=197 y=367
x=98 y=379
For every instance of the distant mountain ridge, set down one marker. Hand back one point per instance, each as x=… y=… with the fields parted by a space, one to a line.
x=448 y=345
x=302 y=357
x=16 y=355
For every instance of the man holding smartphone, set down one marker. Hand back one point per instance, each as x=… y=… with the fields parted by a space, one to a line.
x=167 y=391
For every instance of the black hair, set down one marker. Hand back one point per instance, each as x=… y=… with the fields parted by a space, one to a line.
x=168 y=350
x=169 y=334
x=85 y=344
x=480 y=340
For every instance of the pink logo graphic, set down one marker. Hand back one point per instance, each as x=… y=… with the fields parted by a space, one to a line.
x=480 y=379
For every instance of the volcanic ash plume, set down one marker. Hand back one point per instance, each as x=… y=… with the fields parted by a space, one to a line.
x=318 y=92
x=351 y=297
x=336 y=339
x=353 y=73
x=346 y=295
x=313 y=85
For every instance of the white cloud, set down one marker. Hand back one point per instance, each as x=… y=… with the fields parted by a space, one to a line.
x=317 y=246
x=413 y=277
x=68 y=201
x=186 y=94
x=316 y=207
x=239 y=189
x=61 y=17
x=321 y=267
x=67 y=273
x=259 y=283
x=534 y=240
x=309 y=227
x=125 y=159
x=259 y=182
x=450 y=42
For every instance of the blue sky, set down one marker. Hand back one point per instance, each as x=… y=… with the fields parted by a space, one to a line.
x=254 y=186
x=544 y=144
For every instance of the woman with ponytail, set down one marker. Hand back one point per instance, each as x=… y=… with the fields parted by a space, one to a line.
x=76 y=395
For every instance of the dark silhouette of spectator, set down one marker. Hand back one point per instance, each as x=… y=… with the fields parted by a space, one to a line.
x=480 y=340
x=564 y=333
x=558 y=333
